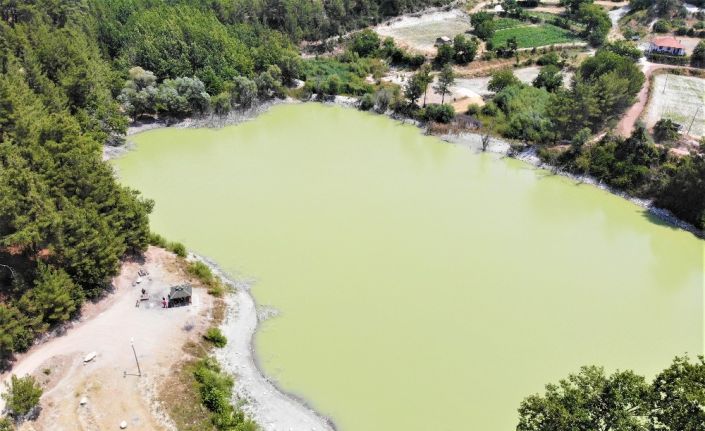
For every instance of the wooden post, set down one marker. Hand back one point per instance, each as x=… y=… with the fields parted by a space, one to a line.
x=139 y=370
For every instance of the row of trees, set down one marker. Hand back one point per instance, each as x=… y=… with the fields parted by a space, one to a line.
x=304 y=19
x=603 y=86
x=182 y=97
x=188 y=40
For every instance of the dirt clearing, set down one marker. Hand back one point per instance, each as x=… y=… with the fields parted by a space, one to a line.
x=109 y=384
x=420 y=33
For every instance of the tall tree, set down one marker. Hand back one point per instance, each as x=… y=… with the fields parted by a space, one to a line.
x=446 y=79
x=589 y=401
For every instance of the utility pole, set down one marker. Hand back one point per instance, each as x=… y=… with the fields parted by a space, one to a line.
x=139 y=370
x=664 y=84
x=693 y=120
x=132 y=343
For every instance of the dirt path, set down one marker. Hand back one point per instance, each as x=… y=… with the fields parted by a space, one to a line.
x=108 y=330
x=626 y=124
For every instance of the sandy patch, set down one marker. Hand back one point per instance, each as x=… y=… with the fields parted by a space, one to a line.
x=419 y=33
x=609 y=5
x=108 y=329
x=556 y=10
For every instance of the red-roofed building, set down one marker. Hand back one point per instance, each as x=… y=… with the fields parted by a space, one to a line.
x=666 y=45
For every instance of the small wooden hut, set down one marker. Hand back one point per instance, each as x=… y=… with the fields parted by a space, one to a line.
x=180 y=295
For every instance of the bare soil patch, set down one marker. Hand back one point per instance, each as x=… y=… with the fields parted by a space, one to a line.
x=419 y=33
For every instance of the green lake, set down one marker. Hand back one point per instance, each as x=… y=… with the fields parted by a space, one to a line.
x=421 y=285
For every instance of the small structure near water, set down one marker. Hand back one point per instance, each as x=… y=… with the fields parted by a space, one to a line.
x=180 y=295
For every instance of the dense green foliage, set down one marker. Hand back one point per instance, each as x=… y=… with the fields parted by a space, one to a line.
x=439 y=113
x=215 y=388
x=549 y=77
x=6 y=424
x=684 y=191
x=698 y=57
x=665 y=130
x=216 y=337
x=313 y=20
x=603 y=87
x=639 y=167
x=65 y=223
x=483 y=24
x=623 y=401
x=22 y=395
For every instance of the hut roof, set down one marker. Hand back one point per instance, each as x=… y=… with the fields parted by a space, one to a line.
x=667 y=42
x=178 y=292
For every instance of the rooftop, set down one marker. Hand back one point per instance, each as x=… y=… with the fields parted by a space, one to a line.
x=668 y=41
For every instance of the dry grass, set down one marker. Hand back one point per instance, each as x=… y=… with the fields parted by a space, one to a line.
x=680 y=99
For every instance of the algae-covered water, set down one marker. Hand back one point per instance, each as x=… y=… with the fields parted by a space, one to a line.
x=420 y=285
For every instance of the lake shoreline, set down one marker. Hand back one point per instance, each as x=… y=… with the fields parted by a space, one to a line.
x=262 y=394
x=529 y=155
x=264 y=400
x=498 y=145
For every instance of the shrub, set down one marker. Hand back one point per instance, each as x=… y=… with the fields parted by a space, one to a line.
x=157 y=240
x=178 y=249
x=439 y=113
x=661 y=26
x=365 y=43
x=201 y=271
x=54 y=299
x=698 y=57
x=490 y=109
x=473 y=109
x=5 y=424
x=216 y=337
x=625 y=49
x=502 y=79
x=214 y=387
x=666 y=130
x=216 y=288
x=367 y=102
x=550 y=58
x=22 y=396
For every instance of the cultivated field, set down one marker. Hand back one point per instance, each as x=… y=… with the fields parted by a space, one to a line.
x=678 y=98
x=420 y=33
x=534 y=36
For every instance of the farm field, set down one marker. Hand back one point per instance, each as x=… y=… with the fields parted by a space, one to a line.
x=678 y=98
x=420 y=33
x=534 y=36
x=505 y=23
